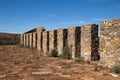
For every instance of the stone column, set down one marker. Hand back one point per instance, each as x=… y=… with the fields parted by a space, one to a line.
x=21 y=39
x=45 y=42
x=110 y=42
x=30 y=40
x=27 y=39
x=61 y=40
x=39 y=37
x=24 y=39
x=89 y=41
x=52 y=39
x=74 y=40
x=34 y=40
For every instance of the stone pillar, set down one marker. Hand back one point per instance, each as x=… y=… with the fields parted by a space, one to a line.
x=24 y=39
x=27 y=42
x=52 y=39
x=89 y=42
x=45 y=41
x=110 y=42
x=39 y=37
x=74 y=40
x=34 y=40
x=61 y=40
x=21 y=39
x=30 y=40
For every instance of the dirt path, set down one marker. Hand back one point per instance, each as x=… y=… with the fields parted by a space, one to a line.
x=24 y=64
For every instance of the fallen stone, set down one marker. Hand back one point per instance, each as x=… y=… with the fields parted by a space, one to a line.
x=114 y=75
x=2 y=76
x=41 y=73
x=87 y=78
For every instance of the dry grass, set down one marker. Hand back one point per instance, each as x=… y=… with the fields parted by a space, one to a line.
x=19 y=63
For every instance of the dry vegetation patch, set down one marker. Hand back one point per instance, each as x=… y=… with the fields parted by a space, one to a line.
x=25 y=64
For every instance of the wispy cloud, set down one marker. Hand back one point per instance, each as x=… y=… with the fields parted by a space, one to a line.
x=76 y=22
x=97 y=19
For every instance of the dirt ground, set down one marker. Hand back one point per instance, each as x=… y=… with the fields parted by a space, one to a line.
x=24 y=64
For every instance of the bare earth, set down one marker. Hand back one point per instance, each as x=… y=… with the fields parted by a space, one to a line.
x=24 y=64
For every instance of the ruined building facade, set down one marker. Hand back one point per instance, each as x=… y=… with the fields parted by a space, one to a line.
x=83 y=41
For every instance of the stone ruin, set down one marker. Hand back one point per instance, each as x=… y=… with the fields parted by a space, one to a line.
x=83 y=40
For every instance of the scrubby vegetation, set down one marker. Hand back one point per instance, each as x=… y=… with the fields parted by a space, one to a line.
x=116 y=68
x=54 y=53
x=66 y=52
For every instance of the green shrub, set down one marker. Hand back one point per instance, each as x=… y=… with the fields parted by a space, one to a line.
x=116 y=68
x=66 y=52
x=80 y=59
x=54 y=53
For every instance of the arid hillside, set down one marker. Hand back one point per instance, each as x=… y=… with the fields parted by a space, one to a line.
x=18 y=63
x=9 y=38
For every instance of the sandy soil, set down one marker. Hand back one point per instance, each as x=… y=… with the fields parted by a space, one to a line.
x=24 y=64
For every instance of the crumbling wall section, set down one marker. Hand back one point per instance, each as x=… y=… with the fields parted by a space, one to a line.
x=39 y=31
x=52 y=39
x=45 y=41
x=89 y=42
x=74 y=40
x=35 y=40
x=61 y=40
x=110 y=42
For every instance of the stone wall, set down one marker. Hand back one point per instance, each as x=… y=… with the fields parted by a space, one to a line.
x=52 y=39
x=45 y=42
x=74 y=40
x=30 y=40
x=89 y=42
x=110 y=42
x=61 y=39
x=84 y=41
x=39 y=31
x=34 y=40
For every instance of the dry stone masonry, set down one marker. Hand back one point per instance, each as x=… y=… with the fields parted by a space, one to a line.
x=83 y=41
x=61 y=40
x=110 y=42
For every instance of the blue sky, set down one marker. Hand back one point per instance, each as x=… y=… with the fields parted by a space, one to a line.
x=18 y=16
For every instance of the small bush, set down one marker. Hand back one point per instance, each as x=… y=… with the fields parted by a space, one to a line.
x=21 y=45
x=66 y=52
x=116 y=68
x=80 y=59
x=54 y=53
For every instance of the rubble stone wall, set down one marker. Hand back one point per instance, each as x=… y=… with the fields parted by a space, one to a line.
x=45 y=41
x=61 y=39
x=110 y=42
x=89 y=43
x=34 y=40
x=74 y=40
x=84 y=41
x=52 y=39
x=39 y=31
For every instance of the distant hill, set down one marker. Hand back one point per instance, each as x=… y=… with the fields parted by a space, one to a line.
x=9 y=38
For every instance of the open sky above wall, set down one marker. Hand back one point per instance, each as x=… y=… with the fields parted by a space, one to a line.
x=18 y=16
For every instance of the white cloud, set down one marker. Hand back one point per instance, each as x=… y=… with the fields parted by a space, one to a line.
x=77 y=22
x=97 y=19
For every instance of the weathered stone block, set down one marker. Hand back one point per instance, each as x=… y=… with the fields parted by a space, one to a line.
x=30 y=40
x=89 y=42
x=45 y=42
x=39 y=31
x=52 y=39
x=21 y=39
x=61 y=40
x=35 y=40
x=110 y=42
x=74 y=40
